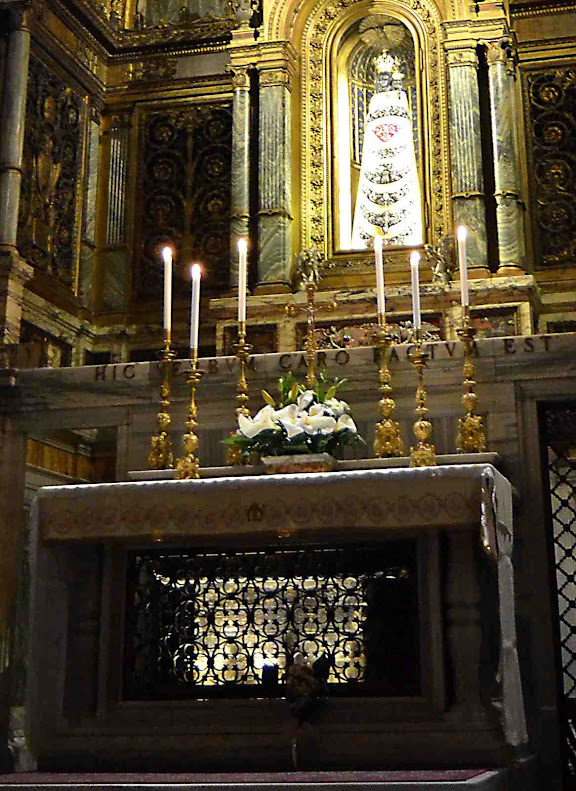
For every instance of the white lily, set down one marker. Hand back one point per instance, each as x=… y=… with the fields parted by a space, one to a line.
x=320 y=424
x=317 y=410
x=262 y=421
x=336 y=406
x=289 y=418
x=345 y=423
x=305 y=399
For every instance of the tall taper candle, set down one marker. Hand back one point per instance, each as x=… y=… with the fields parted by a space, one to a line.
x=379 y=260
x=242 y=268
x=167 y=256
x=461 y=234
x=414 y=264
x=195 y=308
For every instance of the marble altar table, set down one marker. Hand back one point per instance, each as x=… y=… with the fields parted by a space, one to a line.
x=468 y=710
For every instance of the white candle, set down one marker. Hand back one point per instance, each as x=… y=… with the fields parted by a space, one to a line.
x=195 y=271
x=379 y=259
x=414 y=264
x=167 y=256
x=242 y=270
x=461 y=234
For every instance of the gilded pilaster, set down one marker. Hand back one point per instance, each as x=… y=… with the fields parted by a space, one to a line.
x=509 y=206
x=466 y=153
x=240 y=197
x=275 y=212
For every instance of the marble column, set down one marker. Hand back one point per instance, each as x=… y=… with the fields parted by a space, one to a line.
x=274 y=182
x=504 y=115
x=240 y=198
x=466 y=153
x=115 y=256
x=14 y=271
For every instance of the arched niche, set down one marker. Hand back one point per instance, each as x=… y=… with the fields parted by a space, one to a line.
x=328 y=38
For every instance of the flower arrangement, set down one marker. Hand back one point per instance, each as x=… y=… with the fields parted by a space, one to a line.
x=301 y=421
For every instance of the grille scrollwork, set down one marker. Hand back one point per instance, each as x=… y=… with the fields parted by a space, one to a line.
x=209 y=624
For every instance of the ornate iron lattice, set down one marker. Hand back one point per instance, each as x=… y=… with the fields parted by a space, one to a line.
x=184 y=195
x=208 y=624
x=552 y=97
x=559 y=438
x=51 y=162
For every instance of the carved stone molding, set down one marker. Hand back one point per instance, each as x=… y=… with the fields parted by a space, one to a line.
x=154 y=70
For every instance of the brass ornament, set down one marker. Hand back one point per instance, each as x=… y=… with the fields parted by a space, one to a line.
x=161 y=456
x=188 y=467
x=471 y=436
x=423 y=454
x=242 y=351
x=388 y=441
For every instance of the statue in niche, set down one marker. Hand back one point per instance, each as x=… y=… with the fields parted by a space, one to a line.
x=384 y=184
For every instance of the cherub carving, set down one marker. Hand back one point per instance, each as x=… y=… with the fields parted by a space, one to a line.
x=442 y=260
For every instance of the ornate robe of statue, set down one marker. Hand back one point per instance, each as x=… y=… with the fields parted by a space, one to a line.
x=388 y=202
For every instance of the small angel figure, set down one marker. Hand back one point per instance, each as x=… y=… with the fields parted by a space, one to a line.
x=442 y=260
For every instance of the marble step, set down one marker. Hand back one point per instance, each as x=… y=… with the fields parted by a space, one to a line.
x=442 y=780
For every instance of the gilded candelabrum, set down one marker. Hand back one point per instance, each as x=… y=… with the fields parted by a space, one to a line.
x=160 y=456
x=242 y=350
x=188 y=466
x=311 y=345
x=422 y=454
x=387 y=440
x=471 y=436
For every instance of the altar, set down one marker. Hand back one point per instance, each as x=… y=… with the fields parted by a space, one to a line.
x=169 y=615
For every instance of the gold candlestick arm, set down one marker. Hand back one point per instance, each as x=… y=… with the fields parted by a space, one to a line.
x=188 y=467
x=471 y=436
x=387 y=440
x=161 y=456
x=311 y=346
x=242 y=351
x=423 y=453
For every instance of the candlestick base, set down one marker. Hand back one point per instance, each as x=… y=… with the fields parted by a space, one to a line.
x=161 y=456
x=387 y=441
x=423 y=453
x=188 y=467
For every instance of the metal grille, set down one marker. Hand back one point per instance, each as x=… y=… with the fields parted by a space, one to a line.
x=559 y=433
x=211 y=623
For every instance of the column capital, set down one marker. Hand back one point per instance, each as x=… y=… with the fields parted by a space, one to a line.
x=277 y=63
x=20 y=12
x=240 y=77
x=502 y=50
x=461 y=53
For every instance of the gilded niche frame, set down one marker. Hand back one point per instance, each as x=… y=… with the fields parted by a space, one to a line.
x=325 y=25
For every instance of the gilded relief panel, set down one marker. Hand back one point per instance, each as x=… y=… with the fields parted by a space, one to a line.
x=184 y=195
x=51 y=164
x=374 y=127
x=158 y=12
x=551 y=98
